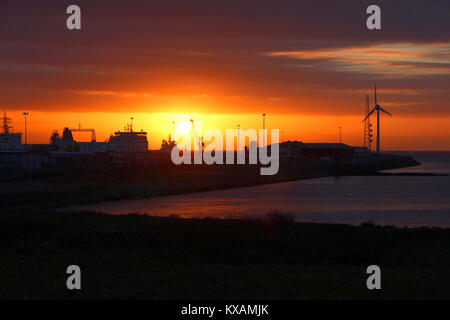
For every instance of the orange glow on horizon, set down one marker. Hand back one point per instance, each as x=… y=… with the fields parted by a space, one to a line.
x=430 y=132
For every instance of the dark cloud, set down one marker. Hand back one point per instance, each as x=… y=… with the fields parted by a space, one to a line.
x=145 y=52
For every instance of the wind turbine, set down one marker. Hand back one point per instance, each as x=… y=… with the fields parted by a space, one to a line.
x=378 y=108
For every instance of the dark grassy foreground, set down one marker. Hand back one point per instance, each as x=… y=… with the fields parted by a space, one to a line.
x=169 y=258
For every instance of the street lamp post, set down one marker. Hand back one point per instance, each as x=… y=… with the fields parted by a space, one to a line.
x=25 y=115
x=239 y=129
x=173 y=130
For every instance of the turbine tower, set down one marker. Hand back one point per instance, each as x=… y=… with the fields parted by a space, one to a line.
x=378 y=108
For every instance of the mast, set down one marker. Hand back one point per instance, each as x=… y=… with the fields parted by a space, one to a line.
x=367 y=143
x=6 y=122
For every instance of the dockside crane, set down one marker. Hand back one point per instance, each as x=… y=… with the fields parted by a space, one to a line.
x=92 y=131
x=198 y=139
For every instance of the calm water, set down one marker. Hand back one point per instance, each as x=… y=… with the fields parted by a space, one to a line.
x=393 y=200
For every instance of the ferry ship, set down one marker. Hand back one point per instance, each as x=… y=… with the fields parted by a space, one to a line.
x=121 y=142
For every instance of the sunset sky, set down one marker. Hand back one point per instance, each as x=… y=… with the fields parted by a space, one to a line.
x=307 y=64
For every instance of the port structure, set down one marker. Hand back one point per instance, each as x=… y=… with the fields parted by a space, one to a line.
x=198 y=139
x=6 y=123
x=367 y=127
x=92 y=131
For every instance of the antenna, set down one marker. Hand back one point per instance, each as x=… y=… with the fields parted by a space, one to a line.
x=367 y=139
x=6 y=122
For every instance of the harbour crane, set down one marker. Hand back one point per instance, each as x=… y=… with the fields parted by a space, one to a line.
x=198 y=139
x=92 y=131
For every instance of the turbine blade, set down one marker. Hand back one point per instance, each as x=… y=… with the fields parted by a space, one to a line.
x=385 y=111
x=369 y=114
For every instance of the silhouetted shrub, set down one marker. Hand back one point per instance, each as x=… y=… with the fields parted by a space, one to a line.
x=278 y=217
x=368 y=224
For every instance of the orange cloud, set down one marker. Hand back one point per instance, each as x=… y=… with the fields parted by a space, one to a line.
x=399 y=59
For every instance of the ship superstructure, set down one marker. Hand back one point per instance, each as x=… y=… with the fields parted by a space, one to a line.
x=128 y=141
x=122 y=142
x=10 y=141
x=66 y=144
x=167 y=146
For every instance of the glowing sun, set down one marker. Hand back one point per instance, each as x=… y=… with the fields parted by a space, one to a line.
x=183 y=127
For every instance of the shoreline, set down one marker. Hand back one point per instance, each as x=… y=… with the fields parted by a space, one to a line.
x=200 y=190
x=74 y=186
x=57 y=192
